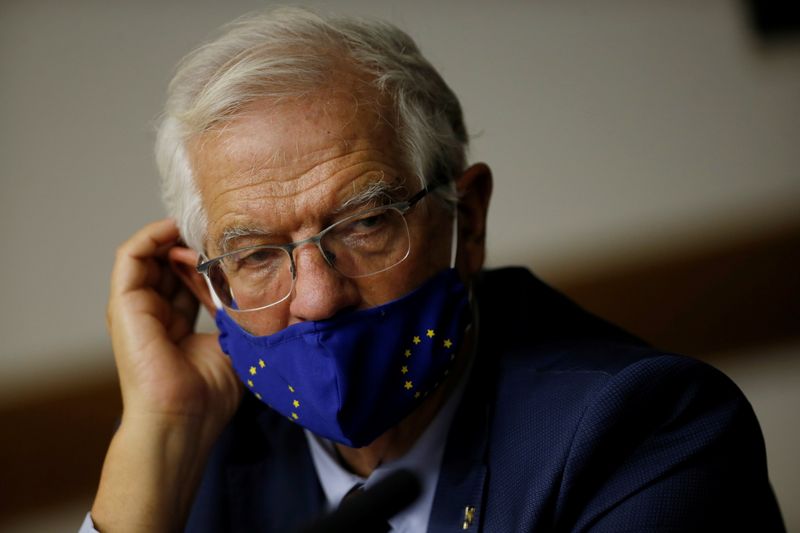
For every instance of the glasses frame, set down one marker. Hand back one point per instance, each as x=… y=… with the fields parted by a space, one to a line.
x=203 y=264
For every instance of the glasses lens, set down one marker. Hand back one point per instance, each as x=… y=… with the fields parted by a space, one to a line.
x=367 y=243
x=252 y=278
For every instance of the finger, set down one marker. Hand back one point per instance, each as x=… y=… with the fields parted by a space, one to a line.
x=168 y=282
x=184 y=308
x=147 y=241
x=135 y=264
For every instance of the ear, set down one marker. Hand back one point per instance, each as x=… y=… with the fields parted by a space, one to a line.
x=474 y=189
x=183 y=262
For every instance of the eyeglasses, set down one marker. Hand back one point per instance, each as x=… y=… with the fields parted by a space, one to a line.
x=360 y=245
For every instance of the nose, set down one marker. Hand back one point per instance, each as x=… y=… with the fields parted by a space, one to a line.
x=320 y=291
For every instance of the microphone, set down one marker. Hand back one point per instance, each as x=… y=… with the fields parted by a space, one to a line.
x=369 y=511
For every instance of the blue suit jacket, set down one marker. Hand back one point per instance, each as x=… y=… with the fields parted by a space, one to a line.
x=567 y=424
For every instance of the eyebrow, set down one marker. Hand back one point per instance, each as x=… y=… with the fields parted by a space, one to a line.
x=237 y=232
x=376 y=192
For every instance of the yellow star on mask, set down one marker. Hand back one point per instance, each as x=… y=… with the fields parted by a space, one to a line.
x=404 y=370
x=249 y=382
x=294 y=415
x=258 y=396
x=291 y=389
x=252 y=371
x=296 y=403
x=407 y=353
x=408 y=385
x=262 y=364
x=417 y=394
x=430 y=333
x=416 y=339
x=448 y=343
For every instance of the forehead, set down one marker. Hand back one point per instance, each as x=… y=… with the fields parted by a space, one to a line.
x=280 y=166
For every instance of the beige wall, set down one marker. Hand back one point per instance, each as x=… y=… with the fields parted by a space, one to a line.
x=614 y=129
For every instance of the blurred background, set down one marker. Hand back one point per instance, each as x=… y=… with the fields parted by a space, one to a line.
x=646 y=159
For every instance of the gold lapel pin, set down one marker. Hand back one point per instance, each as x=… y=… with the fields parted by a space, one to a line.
x=469 y=515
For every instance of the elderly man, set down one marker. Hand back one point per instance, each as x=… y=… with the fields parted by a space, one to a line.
x=323 y=212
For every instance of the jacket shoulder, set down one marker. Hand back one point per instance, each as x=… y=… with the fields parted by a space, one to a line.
x=591 y=426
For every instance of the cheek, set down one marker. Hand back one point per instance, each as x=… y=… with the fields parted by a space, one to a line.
x=426 y=258
x=432 y=246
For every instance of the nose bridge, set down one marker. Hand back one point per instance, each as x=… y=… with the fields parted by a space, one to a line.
x=319 y=290
x=314 y=241
x=314 y=267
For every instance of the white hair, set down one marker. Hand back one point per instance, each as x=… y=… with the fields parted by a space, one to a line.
x=287 y=53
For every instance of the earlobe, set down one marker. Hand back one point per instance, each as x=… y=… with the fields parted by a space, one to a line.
x=183 y=262
x=474 y=189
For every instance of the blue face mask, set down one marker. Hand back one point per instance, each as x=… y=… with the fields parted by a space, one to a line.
x=353 y=376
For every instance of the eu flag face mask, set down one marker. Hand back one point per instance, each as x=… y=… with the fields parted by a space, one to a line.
x=352 y=377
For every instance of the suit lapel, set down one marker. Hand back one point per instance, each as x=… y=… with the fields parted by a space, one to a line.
x=459 y=492
x=458 y=502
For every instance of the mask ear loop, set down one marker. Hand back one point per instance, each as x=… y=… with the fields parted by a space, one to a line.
x=214 y=297
x=473 y=326
x=211 y=291
x=473 y=303
x=454 y=239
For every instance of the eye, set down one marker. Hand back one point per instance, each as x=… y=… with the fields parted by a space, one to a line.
x=257 y=259
x=369 y=223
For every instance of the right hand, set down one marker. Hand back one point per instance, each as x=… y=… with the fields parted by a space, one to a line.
x=178 y=389
x=165 y=368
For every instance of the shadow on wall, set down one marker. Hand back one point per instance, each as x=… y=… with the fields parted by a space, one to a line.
x=703 y=301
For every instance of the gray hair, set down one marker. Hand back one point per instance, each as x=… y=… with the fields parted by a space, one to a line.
x=286 y=53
